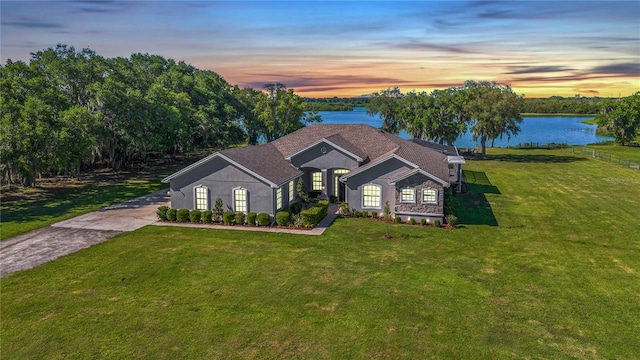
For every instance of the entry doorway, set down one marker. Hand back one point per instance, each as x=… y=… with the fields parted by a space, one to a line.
x=338 y=187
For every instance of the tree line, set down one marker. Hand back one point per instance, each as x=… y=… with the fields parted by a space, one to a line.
x=70 y=109
x=489 y=109
x=550 y=105
x=335 y=103
x=562 y=105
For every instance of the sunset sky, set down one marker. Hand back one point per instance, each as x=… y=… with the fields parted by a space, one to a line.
x=322 y=49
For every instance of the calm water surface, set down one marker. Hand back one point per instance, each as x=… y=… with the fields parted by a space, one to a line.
x=536 y=129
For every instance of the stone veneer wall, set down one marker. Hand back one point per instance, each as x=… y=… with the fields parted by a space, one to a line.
x=419 y=183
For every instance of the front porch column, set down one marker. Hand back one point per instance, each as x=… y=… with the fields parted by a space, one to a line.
x=325 y=181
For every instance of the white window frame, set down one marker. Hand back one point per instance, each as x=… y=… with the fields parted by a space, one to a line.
x=409 y=191
x=292 y=193
x=316 y=181
x=246 y=200
x=278 y=196
x=196 y=198
x=364 y=194
x=435 y=191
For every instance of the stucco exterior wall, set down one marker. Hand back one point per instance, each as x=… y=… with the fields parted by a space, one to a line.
x=221 y=178
x=378 y=175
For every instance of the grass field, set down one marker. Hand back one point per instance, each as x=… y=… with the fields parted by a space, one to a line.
x=545 y=265
x=624 y=152
x=26 y=209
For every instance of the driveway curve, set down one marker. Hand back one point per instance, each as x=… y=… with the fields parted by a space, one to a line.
x=40 y=246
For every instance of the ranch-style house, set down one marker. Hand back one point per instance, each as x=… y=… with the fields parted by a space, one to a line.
x=358 y=164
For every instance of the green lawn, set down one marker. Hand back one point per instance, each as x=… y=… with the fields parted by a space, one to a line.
x=623 y=152
x=545 y=265
x=28 y=209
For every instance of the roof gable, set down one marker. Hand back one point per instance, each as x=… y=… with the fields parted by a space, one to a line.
x=263 y=162
x=336 y=138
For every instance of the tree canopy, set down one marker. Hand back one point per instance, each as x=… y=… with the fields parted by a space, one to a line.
x=69 y=109
x=494 y=110
x=491 y=111
x=279 y=111
x=621 y=118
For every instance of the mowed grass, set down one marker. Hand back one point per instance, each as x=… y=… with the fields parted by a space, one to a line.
x=545 y=265
x=26 y=209
x=622 y=152
x=32 y=213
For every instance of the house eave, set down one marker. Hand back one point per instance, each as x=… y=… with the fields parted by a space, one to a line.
x=376 y=163
x=226 y=158
x=190 y=167
x=419 y=171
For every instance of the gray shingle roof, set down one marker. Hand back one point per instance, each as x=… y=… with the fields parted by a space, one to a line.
x=445 y=149
x=265 y=160
x=268 y=160
x=367 y=141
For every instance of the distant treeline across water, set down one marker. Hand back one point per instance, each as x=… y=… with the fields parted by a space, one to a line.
x=551 y=105
x=540 y=130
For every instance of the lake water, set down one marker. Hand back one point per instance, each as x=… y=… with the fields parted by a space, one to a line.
x=535 y=129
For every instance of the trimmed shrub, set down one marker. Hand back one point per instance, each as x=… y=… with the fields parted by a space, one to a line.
x=313 y=215
x=398 y=219
x=412 y=221
x=251 y=218
x=451 y=219
x=423 y=222
x=172 y=214
x=344 y=209
x=449 y=207
x=436 y=223
x=295 y=208
x=263 y=219
x=207 y=216
x=365 y=214
x=283 y=218
x=162 y=212
x=240 y=217
x=374 y=214
x=217 y=210
x=182 y=215
x=195 y=216
x=296 y=220
x=228 y=217
x=301 y=191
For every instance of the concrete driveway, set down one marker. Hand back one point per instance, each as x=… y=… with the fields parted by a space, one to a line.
x=39 y=246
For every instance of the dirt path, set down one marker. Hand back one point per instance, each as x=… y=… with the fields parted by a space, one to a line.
x=39 y=246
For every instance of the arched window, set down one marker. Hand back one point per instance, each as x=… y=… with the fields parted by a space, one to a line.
x=429 y=196
x=240 y=200
x=201 y=197
x=371 y=196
